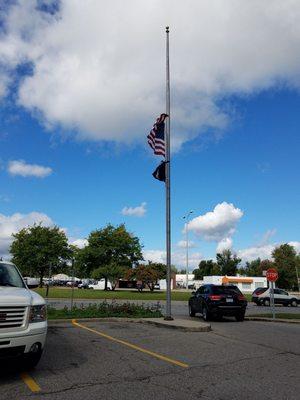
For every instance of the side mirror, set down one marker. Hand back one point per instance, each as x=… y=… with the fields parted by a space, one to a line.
x=193 y=293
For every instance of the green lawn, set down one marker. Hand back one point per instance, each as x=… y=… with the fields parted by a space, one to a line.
x=55 y=292
x=278 y=315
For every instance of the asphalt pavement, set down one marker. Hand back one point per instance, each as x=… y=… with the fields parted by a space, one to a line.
x=122 y=360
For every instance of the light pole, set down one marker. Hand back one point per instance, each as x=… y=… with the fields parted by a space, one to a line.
x=186 y=218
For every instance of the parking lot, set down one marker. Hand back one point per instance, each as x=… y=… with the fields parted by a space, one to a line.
x=122 y=360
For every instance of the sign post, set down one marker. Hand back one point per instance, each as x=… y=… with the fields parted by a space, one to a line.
x=272 y=276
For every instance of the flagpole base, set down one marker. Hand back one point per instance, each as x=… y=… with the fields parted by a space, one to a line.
x=168 y=318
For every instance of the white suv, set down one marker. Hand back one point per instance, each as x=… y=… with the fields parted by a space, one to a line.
x=23 y=323
x=261 y=296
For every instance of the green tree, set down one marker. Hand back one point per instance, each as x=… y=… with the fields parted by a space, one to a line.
x=286 y=262
x=109 y=247
x=149 y=274
x=36 y=249
x=111 y=272
x=206 y=268
x=252 y=268
x=228 y=262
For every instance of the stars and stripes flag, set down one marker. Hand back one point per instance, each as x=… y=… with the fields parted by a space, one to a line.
x=156 y=137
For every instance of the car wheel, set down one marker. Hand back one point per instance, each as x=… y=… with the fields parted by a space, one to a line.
x=31 y=360
x=294 y=303
x=191 y=311
x=266 y=302
x=258 y=304
x=205 y=314
x=240 y=317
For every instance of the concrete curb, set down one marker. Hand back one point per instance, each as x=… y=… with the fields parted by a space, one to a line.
x=286 y=321
x=179 y=324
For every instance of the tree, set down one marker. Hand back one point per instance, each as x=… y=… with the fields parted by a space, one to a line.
x=36 y=249
x=111 y=272
x=256 y=267
x=110 y=247
x=149 y=274
x=228 y=262
x=206 y=268
x=286 y=262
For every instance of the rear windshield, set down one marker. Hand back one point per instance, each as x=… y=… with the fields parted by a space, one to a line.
x=225 y=290
x=9 y=276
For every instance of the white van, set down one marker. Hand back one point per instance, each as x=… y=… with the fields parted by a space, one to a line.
x=100 y=285
x=23 y=322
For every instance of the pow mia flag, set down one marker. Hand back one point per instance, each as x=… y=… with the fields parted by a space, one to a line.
x=160 y=172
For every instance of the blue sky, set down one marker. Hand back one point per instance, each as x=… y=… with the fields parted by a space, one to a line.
x=236 y=144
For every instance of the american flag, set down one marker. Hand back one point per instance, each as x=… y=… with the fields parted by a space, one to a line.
x=156 y=137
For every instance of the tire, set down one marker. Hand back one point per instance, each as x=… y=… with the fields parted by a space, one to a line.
x=294 y=303
x=258 y=304
x=191 y=311
x=266 y=302
x=240 y=317
x=31 y=360
x=205 y=314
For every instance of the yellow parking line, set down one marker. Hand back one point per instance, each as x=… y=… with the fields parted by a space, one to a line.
x=132 y=346
x=30 y=382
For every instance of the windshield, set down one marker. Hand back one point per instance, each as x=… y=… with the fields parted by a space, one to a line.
x=9 y=276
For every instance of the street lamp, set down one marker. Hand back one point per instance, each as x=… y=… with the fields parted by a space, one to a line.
x=186 y=218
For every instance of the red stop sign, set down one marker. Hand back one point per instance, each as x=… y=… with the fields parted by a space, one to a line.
x=272 y=275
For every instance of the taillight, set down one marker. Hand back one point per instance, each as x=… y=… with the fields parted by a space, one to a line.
x=215 y=297
x=241 y=297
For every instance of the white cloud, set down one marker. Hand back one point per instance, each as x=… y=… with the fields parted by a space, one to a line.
x=138 y=211
x=218 y=225
x=81 y=243
x=13 y=223
x=182 y=244
x=267 y=236
x=224 y=244
x=104 y=74
x=263 y=252
x=19 y=167
x=178 y=258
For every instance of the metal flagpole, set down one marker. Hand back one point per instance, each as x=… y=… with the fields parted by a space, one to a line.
x=168 y=315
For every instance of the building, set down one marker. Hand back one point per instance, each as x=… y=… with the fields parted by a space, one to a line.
x=246 y=284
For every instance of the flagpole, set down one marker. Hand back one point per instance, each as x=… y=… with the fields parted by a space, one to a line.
x=168 y=315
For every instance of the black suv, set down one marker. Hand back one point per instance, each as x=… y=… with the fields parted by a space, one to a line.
x=218 y=301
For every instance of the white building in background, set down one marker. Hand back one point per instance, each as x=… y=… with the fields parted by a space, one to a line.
x=246 y=284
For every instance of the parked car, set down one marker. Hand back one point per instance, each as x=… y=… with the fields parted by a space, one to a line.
x=83 y=285
x=100 y=285
x=23 y=323
x=218 y=301
x=261 y=296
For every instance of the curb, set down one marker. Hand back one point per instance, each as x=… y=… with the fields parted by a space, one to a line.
x=285 y=321
x=164 y=324
x=201 y=328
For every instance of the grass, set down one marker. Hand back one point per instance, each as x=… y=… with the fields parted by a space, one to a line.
x=278 y=315
x=106 y=310
x=65 y=293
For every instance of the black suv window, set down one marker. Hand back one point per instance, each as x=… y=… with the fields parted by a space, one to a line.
x=200 y=290
x=225 y=290
x=206 y=290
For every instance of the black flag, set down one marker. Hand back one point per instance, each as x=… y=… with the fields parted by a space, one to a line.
x=160 y=172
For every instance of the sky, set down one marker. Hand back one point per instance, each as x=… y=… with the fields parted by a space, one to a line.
x=81 y=84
